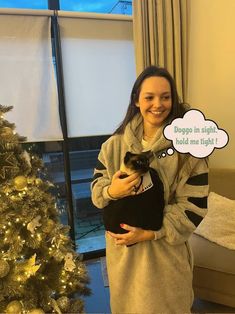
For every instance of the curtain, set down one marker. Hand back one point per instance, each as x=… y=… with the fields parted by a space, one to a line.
x=99 y=71
x=160 y=37
x=27 y=80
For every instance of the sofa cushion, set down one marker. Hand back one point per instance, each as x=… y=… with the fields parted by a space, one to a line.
x=211 y=255
x=219 y=224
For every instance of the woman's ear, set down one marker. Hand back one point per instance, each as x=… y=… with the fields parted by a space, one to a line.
x=137 y=104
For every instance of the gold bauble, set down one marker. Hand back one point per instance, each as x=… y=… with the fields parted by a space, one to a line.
x=48 y=226
x=36 y=311
x=63 y=303
x=20 y=182
x=4 y=268
x=14 y=307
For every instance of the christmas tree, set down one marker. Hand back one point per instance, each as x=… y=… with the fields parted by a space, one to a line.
x=39 y=270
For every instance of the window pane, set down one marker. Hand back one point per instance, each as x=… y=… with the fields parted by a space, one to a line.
x=89 y=229
x=24 y=4
x=102 y=6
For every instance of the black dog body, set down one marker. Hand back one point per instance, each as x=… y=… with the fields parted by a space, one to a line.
x=144 y=210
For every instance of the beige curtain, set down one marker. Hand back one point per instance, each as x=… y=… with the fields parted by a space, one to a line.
x=160 y=37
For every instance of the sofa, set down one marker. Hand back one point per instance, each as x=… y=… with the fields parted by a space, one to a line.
x=214 y=264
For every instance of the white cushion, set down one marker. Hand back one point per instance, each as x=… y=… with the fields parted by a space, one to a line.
x=219 y=224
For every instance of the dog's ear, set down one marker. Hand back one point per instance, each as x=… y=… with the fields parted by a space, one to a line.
x=127 y=157
x=149 y=155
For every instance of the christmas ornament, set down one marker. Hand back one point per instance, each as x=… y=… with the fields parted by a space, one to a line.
x=48 y=226
x=55 y=307
x=26 y=269
x=30 y=266
x=6 y=131
x=36 y=311
x=63 y=303
x=14 y=307
x=30 y=180
x=20 y=182
x=7 y=162
x=32 y=225
x=69 y=264
x=38 y=181
x=4 y=268
x=26 y=156
x=7 y=189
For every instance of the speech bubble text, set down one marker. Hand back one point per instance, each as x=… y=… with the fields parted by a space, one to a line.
x=195 y=135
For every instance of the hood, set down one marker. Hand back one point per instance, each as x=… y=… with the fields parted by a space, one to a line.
x=134 y=133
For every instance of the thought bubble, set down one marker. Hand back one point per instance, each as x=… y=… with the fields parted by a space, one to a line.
x=195 y=135
x=169 y=151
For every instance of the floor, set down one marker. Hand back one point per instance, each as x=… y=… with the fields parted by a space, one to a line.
x=98 y=302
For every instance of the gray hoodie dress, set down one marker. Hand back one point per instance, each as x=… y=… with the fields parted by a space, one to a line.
x=154 y=276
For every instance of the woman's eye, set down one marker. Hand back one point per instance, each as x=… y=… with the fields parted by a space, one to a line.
x=149 y=98
x=166 y=97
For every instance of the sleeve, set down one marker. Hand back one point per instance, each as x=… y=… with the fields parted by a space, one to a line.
x=189 y=206
x=101 y=179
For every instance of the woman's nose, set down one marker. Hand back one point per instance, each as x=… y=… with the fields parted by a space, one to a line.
x=156 y=102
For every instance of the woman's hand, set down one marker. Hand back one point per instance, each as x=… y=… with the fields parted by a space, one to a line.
x=133 y=236
x=121 y=187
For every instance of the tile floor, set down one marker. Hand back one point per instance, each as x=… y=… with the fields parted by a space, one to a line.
x=98 y=302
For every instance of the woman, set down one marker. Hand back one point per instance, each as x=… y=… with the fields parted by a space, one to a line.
x=154 y=275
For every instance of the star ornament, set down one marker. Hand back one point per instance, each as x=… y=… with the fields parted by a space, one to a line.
x=7 y=162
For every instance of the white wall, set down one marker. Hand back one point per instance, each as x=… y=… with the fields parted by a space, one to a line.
x=212 y=69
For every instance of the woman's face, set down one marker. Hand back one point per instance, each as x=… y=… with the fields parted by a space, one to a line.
x=155 y=101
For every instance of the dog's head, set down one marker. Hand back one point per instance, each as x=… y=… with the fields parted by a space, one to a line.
x=137 y=162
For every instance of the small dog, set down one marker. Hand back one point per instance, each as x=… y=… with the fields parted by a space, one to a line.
x=145 y=209
x=136 y=163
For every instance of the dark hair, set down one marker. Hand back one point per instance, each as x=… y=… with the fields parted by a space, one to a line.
x=178 y=108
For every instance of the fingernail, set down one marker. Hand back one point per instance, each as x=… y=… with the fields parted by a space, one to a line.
x=121 y=225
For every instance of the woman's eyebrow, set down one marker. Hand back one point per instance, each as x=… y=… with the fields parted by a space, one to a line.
x=151 y=93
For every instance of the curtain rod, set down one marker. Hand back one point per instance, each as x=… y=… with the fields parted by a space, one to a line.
x=97 y=16
x=67 y=14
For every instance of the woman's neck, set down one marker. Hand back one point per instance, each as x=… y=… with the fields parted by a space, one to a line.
x=149 y=135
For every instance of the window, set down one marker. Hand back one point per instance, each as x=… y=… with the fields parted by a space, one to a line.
x=24 y=4
x=88 y=222
x=102 y=6
x=95 y=6
x=109 y=73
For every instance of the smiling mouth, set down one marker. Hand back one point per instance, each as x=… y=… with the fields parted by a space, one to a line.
x=156 y=113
